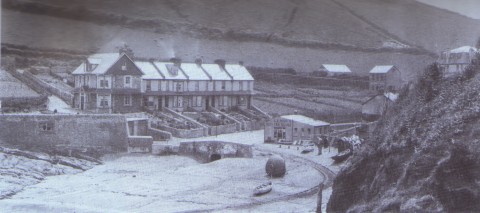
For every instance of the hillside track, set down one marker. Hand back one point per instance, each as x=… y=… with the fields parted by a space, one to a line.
x=326 y=175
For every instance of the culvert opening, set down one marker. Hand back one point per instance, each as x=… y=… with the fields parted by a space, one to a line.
x=215 y=157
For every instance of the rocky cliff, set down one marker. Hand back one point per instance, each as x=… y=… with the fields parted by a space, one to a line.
x=423 y=155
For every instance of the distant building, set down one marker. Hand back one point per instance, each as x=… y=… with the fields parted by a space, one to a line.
x=456 y=60
x=385 y=79
x=376 y=106
x=114 y=83
x=290 y=128
x=333 y=70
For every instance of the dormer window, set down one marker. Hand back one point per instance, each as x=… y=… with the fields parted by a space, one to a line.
x=173 y=69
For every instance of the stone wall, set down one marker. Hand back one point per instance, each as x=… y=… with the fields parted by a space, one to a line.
x=223 y=129
x=206 y=150
x=76 y=131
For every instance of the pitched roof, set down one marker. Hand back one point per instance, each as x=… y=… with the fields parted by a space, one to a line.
x=104 y=61
x=238 y=72
x=382 y=69
x=305 y=120
x=163 y=68
x=149 y=70
x=464 y=49
x=194 y=72
x=339 y=68
x=216 y=72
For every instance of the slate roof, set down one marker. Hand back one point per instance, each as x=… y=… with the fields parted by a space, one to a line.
x=337 y=68
x=382 y=69
x=305 y=120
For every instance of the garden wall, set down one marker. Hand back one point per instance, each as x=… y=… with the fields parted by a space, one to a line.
x=222 y=129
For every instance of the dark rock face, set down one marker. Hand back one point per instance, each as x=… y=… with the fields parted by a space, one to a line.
x=275 y=166
x=424 y=157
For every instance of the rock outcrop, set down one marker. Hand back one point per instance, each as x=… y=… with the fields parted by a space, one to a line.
x=422 y=157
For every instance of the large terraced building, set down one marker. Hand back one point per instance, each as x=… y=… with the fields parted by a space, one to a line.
x=114 y=83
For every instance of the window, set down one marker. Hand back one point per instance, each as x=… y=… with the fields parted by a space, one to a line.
x=127 y=100
x=197 y=101
x=104 y=101
x=128 y=81
x=309 y=130
x=149 y=85
x=279 y=133
x=197 y=86
x=240 y=85
x=178 y=87
x=168 y=85
x=46 y=126
x=104 y=83
x=177 y=101
x=124 y=66
x=159 y=85
x=223 y=85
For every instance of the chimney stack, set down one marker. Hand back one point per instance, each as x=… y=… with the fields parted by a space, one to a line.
x=176 y=61
x=221 y=63
x=199 y=61
x=125 y=49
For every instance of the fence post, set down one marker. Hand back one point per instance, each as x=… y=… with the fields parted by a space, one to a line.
x=319 y=199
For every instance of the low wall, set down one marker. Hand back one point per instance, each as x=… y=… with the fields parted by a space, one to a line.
x=239 y=124
x=253 y=125
x=183 y=133
x=159 y=135
x=72 y=131
x=206 y=151
x=140 y=143
x=23 y=102
x=65 y=96
x=222 y=129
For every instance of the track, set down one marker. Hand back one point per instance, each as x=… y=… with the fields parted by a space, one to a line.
x=326 y=173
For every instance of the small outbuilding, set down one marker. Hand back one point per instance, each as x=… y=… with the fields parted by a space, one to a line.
x=376 y=106
x=385 y=78
x=291 y=128
x=334 y=70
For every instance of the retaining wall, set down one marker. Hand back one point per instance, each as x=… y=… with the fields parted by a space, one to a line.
x=75 y=131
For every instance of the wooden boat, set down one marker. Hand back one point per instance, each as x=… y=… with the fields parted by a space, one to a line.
x=263 y=189
x=307 y=149
x=342 y=155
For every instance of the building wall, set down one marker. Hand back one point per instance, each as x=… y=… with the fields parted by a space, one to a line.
x=293 y=131
x=110 y=131
x=120 y=107
x=119 y=81
x=394 y=79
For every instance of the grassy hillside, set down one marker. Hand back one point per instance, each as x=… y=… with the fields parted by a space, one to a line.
x=291 y=19
x=299 y=34
x=422 y=157
x=422 y=25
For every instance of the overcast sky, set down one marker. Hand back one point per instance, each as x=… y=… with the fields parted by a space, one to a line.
x=470 y=8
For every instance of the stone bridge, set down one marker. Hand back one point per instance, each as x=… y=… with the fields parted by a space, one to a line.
x=208 y=151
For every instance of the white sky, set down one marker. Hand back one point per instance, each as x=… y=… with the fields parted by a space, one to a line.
x=470 y=8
